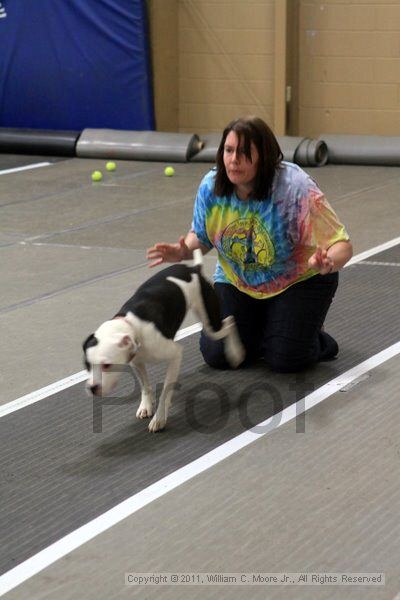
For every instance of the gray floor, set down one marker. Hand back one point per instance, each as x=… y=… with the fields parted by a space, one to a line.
x=322 y=501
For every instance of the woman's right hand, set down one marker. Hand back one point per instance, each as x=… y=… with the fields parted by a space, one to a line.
x=162 y=252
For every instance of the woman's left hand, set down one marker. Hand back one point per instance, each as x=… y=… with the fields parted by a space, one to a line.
x=321 y=262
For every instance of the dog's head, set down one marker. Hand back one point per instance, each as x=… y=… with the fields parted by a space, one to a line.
x=112 y=345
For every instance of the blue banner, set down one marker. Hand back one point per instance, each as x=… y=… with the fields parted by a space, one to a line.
x=73 y=64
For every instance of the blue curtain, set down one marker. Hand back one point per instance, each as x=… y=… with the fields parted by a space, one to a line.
x=72 y=64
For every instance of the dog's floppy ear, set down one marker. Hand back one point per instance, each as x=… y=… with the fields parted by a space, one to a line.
x=127 y=342
x=89 y=342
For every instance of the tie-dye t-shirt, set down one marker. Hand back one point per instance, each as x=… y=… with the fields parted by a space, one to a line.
x=264 y=246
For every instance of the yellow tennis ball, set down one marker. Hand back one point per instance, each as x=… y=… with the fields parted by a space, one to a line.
x=111 y=166
x=169 y=171
x=97 y=176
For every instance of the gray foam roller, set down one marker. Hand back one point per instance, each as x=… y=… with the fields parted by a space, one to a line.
x=363 y=149
x=137 y=145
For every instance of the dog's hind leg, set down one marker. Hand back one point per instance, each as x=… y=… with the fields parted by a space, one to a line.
x=207 y=309
x=146 y=403
x=201 y=297
x=175 y=358
x=233 y=347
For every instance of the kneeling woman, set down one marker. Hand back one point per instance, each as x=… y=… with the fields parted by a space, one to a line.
x=280 y=246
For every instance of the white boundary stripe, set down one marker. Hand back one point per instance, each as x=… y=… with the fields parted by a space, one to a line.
x=128 y=507
x=63 y=384
x=380 y=263
x=26 y=168
x=372 y=251
x=182 y=333
x=45 y=392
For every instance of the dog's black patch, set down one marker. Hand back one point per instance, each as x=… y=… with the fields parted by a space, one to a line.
x=165 y=308
x=90 y=341
x=160 y=301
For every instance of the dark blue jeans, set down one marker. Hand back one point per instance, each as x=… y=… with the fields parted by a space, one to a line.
x=284 y=330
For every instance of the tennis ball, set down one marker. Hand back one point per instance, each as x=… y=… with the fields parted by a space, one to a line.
x=111 y=166
x=97 y=176
x=169 y=171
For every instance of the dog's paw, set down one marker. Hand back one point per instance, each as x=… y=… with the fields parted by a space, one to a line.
x=144 y=412
x=145 y=409
x=157 y=424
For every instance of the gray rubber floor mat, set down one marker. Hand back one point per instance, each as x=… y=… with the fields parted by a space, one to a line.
x=65 y=460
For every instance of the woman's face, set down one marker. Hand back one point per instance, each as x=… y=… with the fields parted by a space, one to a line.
x=239 y=169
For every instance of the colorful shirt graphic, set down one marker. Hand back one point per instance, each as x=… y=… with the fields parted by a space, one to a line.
x=263 y=246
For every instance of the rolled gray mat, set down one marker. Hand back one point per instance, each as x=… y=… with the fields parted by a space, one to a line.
x=137 y=145
x=38 y=141
x=362 y=149
x=304 y=151
x=300 y=150
x=289 y=146
x=208 y=152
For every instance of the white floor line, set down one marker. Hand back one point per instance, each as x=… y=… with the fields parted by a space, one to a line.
x=45 y=392
x=32 y=566
x=380 y=263
x=372 y=251
x=58 y=386
x=26 y=168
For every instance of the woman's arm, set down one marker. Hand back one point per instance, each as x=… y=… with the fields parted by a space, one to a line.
x=182 y=250
x=332 y=259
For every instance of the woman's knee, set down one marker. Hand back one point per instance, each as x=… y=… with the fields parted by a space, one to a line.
x=213 y=353
x=289 y=359
x=292 y=358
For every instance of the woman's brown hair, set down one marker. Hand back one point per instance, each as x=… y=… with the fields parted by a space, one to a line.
x=250 y=129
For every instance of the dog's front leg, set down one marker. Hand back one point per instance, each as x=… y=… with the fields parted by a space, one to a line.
x=160 y=418
x=146 y=403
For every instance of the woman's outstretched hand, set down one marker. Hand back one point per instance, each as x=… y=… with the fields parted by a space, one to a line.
x=170 y=253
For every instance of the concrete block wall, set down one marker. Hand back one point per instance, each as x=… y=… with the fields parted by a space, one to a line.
x=226 y=62
x=164 y=34
x=212 y=61
x=349 y=67
x=216 y=59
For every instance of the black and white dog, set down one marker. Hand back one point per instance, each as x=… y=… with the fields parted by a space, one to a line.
x=144 y=330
